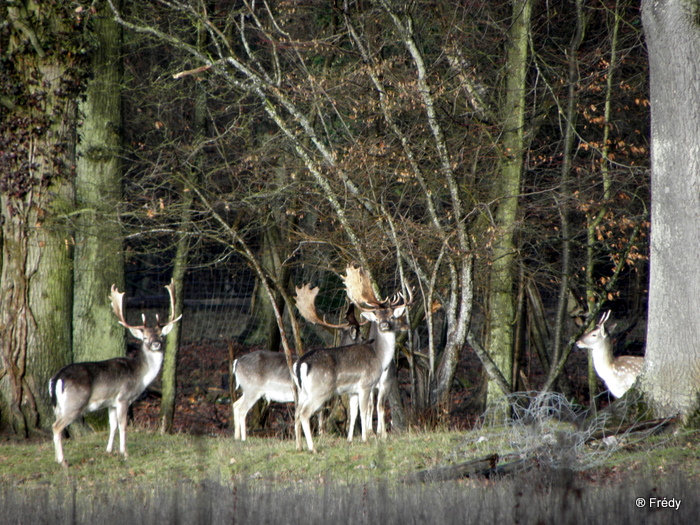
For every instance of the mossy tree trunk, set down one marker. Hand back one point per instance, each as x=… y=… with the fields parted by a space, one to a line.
x=98 y=249
x=40 y=82
x=501 y=295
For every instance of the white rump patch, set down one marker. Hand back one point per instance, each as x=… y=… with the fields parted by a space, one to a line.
x=303 y=374
x=60 y=395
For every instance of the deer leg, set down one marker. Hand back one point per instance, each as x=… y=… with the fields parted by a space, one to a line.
x=122 y=411
x=58 y=428
x=307 y=408
x=240 y=411
x=364 y=398
x=62 y=421
x=370 y=411
x=381 y=397
x=306 y=424
x=354 y=406
x=237 y=420
x=381 y=427
x=70 y=402
x=297 y=426
x=319 y=416
x=301 y=420
x=112 y=427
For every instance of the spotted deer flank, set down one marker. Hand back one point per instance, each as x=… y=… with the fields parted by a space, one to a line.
x=618 y=373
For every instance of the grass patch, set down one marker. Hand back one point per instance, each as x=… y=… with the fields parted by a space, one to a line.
x=206 y=479
x=156 y=458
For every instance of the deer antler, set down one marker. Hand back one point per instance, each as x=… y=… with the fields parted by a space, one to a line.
x=171 y=292
x=399 y=299
x=359 y=289
x=360 y=292
x=305 y=302
x=117 y=299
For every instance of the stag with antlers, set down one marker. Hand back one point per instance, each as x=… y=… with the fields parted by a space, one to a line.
x=356 y=369
x=265 y=374
x=114 y=383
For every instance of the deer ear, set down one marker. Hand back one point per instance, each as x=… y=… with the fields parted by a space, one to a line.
x=137 y=332
x=167 y=328
x=398 y=312
x=369 y=316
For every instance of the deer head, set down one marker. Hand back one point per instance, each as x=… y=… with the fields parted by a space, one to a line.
x=151 y=336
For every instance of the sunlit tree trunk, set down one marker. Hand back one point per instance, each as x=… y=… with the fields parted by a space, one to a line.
x=671 y=381
x=501 y=295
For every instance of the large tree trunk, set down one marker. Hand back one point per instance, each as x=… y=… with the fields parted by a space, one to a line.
x=501 y=300
x=37 y=157
x=98 y=249
x=671 y=380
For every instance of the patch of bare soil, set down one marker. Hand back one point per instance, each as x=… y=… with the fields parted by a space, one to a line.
x=202 y=402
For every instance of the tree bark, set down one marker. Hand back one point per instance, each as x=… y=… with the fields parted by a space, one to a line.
x=501 y=295
x=98 y=250
x=182 y=255
x=36 y=158
x=671 y=380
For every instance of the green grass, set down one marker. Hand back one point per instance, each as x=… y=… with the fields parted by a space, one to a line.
x=207 y=479
x=156 y=458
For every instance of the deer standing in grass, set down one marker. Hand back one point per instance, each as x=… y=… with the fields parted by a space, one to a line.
x=114 y=383
x=305 y=303
x=265 y=374
x=356 y=369
x=618 y=373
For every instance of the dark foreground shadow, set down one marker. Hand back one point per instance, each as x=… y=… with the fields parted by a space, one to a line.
x=559 y=498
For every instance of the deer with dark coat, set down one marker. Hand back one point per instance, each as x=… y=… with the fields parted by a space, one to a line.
x=114 y=383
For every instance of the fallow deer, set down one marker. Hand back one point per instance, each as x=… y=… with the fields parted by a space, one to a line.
x=265 y=374
x=356 y=369
x=305 y=302
x=114 y=383
x=618 y=373
x=259 y=374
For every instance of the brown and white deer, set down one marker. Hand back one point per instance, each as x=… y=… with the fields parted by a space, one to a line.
x=356 y=369
x=259 y=374
x=618 y=373
x=114 y=383
x=265 y=374
x=306 y=304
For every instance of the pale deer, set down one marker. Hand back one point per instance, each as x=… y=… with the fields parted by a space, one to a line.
x=114 y=383
x=356 y=369
x=618 y=373
x=265 y=374
x=260 y=374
